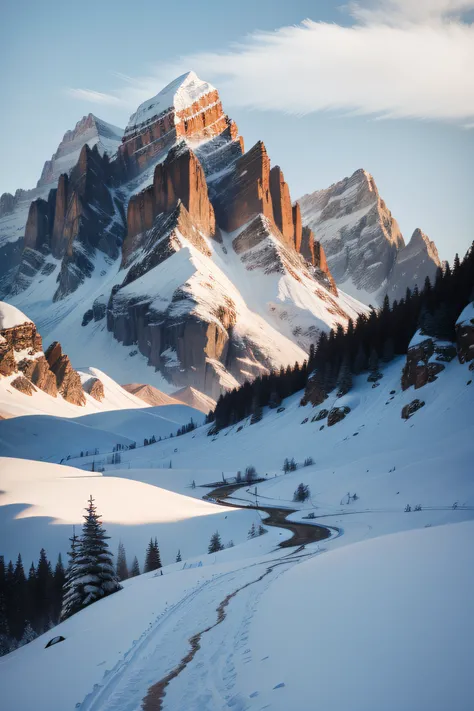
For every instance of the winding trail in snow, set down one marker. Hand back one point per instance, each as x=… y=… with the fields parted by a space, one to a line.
x=303 y=533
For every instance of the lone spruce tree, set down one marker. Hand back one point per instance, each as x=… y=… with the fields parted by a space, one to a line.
x=215 y=544
x=96 y=575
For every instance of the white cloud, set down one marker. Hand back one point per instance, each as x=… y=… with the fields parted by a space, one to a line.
x=402 y=58
x=94 y=97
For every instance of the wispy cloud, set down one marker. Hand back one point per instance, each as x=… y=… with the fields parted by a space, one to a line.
x=400 y=59
x=94 y=97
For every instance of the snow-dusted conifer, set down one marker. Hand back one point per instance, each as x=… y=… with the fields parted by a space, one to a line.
x=96 y=576
x=178 y=557
x=215 y=544
x=71 y=593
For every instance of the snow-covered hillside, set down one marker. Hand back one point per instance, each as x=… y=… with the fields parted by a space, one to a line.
x=384 y=604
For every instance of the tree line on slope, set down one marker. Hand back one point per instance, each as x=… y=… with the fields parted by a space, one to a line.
x=373 y=339
x=31 y=605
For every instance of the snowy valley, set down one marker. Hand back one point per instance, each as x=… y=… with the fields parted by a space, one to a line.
x=236 y=433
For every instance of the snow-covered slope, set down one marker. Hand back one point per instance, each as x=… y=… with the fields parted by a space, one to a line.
x=385 y=604
x=40 y=502
x=364 y=246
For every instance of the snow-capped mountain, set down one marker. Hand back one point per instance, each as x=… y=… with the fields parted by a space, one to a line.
x=365 y=249
x=14 y=209
x=182 y=252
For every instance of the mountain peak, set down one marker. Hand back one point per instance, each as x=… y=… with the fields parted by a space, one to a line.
x=89 y=130
x=420 y=241
x=178 y=95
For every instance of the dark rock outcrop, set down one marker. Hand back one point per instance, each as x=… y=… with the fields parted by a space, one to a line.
x=425 y=361
x=245 y=193
x=465 y=335
x=411 y=408
x=337 y=414
x=68 y=380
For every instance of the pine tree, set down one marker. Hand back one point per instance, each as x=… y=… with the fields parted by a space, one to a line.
x=96 y=576
x=178 y=557
x=135 y=569
x=71 y=593
x=122 y=568
x=215 y=544
x=44 y=594
x=152 y=557
x=252 y=533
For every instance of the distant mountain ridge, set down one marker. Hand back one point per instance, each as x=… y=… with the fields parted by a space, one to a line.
x=365 y=249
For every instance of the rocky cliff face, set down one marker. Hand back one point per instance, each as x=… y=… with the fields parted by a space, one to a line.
x=365 y=249
x=187 y=108
x=90 y=131
x=78 y=218
x=21 y=355
x=179 y=178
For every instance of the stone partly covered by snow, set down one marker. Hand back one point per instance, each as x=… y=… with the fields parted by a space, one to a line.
x=10 y=316
x=178 y=95
x=466 y=317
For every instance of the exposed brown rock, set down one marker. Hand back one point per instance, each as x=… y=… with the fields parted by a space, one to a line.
x=68 y=380
x=179 y=178
x=411 y=408
x=58 y=242
x=37 y=370
x=337 y=414
x=7 y=358
x=281 y=202
x=297 y=226
x=424 y=362
x=246 y=192
x=204 y=119
x=38 y=225
x=23 y=385
x=95 y=388
x=465 y=340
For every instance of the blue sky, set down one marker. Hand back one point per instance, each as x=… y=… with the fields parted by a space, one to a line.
x=387 y=86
